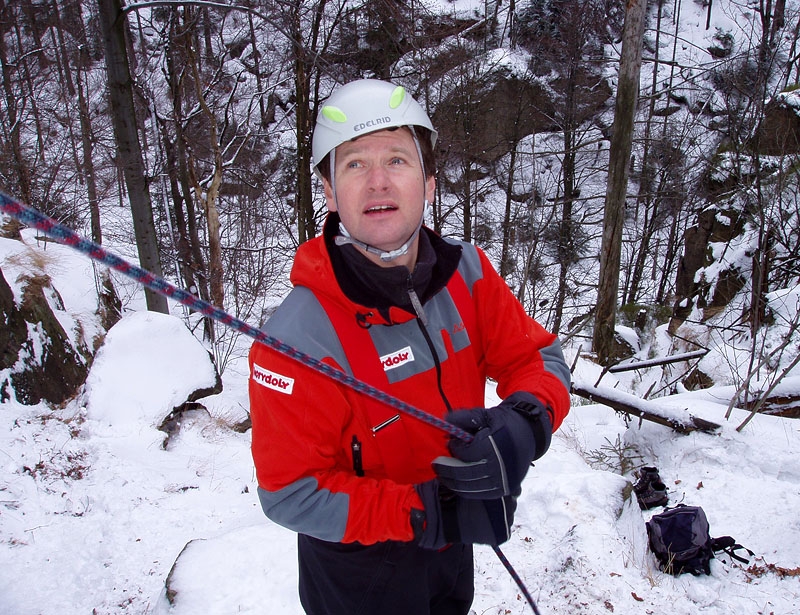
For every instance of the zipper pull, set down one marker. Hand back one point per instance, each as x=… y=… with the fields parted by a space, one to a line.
x=386 y=423
x=416 y=303
x=358 y=466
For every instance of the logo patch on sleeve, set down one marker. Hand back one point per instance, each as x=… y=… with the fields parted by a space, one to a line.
x=271 y=380
x=397 y=358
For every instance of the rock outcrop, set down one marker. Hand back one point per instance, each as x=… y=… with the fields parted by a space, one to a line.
x=39 y=361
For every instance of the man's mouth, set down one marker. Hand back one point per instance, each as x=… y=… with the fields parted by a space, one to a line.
x=379 y=209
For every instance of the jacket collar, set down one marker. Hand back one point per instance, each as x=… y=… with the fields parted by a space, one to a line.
x=378 y=295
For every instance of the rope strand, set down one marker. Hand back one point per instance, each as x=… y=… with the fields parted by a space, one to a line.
x=517 y=579
x=34 y=218
x=67 y=236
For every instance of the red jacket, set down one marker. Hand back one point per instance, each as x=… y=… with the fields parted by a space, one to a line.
x=334 y=464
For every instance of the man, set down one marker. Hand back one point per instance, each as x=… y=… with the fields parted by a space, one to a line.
x=386 y=506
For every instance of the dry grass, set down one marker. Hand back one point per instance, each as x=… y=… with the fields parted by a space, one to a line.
x=35 y=262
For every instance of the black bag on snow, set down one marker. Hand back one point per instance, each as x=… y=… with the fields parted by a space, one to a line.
x=680 y=539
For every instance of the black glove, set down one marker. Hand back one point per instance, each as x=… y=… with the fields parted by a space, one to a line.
x=448 y=518
x=507 y=438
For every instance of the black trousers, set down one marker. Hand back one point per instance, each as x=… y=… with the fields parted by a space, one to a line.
x=388 y=578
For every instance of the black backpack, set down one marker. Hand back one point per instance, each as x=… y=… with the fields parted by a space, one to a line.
x=680 y=539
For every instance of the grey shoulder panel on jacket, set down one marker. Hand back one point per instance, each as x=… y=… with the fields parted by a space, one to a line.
x=301 y=322
x=470 y=265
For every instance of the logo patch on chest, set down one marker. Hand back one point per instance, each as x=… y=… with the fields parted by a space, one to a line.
x=397 y=358
x=271 y=380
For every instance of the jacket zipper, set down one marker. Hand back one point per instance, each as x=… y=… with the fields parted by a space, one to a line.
x=422 y=322
x=436 y=363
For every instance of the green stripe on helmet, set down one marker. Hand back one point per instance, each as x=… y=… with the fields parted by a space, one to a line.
x=397 y=97
x=334 y=114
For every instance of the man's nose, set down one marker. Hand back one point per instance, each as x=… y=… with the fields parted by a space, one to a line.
x=377 y=177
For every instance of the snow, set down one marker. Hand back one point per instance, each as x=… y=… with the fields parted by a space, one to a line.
x=114 y=388
x=95 y=511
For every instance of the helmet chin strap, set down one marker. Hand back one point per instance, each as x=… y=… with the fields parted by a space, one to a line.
x=345 y=237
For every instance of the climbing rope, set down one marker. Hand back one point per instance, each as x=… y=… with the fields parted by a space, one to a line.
x=66 y=236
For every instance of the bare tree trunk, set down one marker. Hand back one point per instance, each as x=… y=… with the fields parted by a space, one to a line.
x=467 y=172
x=511 y=21
x=63 y=49
x=208 y=195
x=303 y=117
x=505 y=257
x=257 y=70
x=87 y=166
x=303 y=197
x=26 y=77
x=110 y=306
x=621 y=144
x=35 y=30
x=193 y=266
x=123 y=116
x=762 y=255
x=12 y=125
x=566 y=231
x=791 y=62
x=646 y=197
x=666 y=269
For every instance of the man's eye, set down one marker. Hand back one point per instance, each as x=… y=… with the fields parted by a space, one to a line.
x=398 y=161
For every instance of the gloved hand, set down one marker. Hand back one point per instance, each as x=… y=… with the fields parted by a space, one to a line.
x=449 y=518
x=507 y=438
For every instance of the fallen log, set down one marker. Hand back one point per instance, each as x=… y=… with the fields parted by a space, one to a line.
x=680 y=421
x=686 y=356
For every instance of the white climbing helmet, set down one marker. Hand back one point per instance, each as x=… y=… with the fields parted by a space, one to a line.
x=361 y=107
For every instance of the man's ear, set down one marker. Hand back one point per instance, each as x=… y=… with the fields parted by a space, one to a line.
x=329 y=200
x=430 y=189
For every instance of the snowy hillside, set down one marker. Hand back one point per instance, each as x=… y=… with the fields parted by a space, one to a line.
x=102 y=512
x=94 y=511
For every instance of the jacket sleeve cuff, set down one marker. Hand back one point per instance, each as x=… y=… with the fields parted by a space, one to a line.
x=539 y=417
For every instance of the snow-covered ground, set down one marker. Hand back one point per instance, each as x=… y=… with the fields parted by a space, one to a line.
x=95 y=509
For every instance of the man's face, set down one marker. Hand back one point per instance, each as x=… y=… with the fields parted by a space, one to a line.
x=380 y=191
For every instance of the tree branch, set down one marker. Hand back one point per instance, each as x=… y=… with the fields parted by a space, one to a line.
x=649 y=410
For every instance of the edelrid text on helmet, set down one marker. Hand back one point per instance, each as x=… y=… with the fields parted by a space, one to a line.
x=379 y=122
x=361 y=107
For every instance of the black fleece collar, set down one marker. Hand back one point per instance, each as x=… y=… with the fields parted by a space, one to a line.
x=373 y=286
